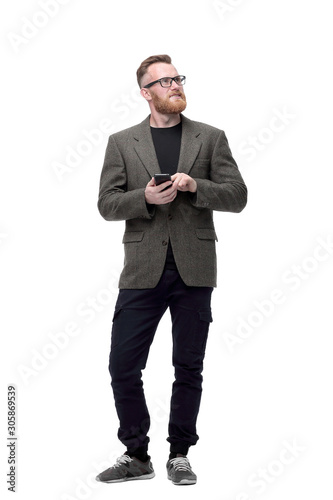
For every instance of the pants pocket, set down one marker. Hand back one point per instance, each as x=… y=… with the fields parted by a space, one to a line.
x=115 y=328
x=204 y=318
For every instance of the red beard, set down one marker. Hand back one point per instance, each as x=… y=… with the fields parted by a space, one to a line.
x=166 y=106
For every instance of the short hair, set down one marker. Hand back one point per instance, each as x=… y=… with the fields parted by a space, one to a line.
x=143 y=68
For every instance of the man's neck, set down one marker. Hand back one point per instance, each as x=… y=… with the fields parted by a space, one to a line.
x=158 y=120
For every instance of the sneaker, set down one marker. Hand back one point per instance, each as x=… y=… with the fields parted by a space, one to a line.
x=180 y=472
x=127 y=469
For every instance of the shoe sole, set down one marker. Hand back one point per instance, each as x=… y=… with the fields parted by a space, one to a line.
x=122 y=480
x=183 y=482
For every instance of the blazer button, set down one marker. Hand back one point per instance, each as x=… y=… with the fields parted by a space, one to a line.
x=170 y=217
x=164 y=243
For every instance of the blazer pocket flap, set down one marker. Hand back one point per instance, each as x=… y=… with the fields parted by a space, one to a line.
x=206 y=234
x=131 y=236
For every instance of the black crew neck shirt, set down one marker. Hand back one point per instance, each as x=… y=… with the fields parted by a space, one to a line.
x=167 y=143
x=167 y=146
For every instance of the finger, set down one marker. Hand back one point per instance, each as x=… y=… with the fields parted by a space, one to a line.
x=176 y=181
x=173 y=195
x=151 y=182
x=168 y=195
x=164 y=185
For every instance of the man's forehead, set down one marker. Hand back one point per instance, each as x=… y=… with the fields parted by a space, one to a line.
x=159 y=70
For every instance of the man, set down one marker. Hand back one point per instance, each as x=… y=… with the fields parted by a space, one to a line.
x=170 y=260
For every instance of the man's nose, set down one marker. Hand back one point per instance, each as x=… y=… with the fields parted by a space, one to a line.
x=174 y=85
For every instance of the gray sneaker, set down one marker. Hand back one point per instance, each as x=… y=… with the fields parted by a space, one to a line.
x=127 y=469
x=180 y=471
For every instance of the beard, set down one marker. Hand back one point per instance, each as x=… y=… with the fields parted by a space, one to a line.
x=166 y=106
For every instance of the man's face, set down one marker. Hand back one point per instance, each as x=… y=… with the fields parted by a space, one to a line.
x=166 y=100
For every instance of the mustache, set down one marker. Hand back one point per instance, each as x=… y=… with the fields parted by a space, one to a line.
x=180 y=93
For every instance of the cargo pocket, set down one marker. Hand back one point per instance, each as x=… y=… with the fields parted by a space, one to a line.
x=116 y=327
x=201 y=330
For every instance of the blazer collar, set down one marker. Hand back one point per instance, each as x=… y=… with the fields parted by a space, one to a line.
x=189 y=150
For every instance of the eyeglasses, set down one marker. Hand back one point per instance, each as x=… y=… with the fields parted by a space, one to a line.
x=167 y=81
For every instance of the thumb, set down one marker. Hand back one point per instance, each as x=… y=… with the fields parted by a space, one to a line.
x=151 y=182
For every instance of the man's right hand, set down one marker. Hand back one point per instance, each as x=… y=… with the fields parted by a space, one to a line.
x=155 y=194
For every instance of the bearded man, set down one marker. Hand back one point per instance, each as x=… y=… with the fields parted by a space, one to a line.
x=170 y=260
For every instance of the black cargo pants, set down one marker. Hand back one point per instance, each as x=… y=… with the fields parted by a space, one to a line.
x=136 y=317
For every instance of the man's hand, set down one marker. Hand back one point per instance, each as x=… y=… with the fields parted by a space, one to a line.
x=183 y=182
x=155 y=194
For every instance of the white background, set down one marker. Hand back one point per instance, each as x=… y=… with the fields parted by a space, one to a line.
x=272 y=384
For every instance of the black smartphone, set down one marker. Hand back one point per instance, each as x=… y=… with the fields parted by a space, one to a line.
x=160 y=178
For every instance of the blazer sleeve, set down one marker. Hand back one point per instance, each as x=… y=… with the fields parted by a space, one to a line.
x=114 y=201
x=226 y=190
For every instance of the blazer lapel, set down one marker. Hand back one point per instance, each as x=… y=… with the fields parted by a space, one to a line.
x=190 y=145
x=189 y=150
x=145 y=148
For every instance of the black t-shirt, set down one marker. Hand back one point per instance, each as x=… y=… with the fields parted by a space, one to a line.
x=167 y=146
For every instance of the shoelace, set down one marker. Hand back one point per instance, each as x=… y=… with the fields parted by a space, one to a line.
x=181 y=463
x=122 y=460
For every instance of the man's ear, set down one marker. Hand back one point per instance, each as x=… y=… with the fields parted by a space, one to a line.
x=146 y=94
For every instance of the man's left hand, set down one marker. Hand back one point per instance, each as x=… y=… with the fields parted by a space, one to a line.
x=183 y=182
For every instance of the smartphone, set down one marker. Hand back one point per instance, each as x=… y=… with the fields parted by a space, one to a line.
x=160 y=178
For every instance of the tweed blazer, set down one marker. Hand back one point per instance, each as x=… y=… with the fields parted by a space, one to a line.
x=130 y=162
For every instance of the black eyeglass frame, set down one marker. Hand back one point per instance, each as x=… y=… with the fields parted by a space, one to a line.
x=166 y=86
